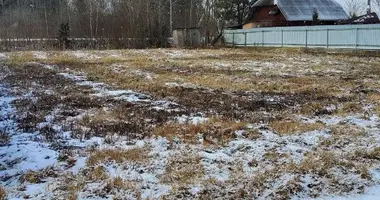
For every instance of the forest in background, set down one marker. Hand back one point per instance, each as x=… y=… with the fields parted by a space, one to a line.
x=117 y=18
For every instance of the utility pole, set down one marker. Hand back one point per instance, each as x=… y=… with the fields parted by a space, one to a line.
x=369 y=7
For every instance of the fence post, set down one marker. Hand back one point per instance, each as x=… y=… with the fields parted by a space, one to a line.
x=327 y=39
x=245 y=39
x=282 y=37
x=233 y=39
x=262 y=37
x=306 y=38
x=356 y=38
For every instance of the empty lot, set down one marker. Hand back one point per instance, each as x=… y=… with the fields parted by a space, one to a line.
x=206 y=124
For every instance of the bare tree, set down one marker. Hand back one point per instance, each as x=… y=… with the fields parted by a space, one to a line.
x=354 y=7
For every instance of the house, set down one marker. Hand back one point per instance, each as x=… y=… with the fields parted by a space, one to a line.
x=370 y=18
x=270 y=13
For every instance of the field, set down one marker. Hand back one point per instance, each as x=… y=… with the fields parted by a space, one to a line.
x=190 y=124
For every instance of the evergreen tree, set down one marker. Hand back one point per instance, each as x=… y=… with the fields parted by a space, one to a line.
x=315 y=17
x=63 y=36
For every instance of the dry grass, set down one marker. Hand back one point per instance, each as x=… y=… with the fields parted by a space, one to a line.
x=97 y=173
x=31 y=177
x=38 y=176
x=183 y=169
x=116 y=155
x=346 y=130
x=374 y=97
x=71 y=185
x=214 y=131
x=119 y=184
x=373 y=154
x=284 y=127
x=3 y=194
x=4 y=138
x=313 y=108
x=259 y=180
x=288 y=190
x=377 y=109
x=350 y=108
x=321 y=164
x=20 y=58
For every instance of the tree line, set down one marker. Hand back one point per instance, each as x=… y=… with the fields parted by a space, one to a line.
x=117 y=18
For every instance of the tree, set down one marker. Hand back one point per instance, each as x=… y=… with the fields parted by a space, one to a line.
x=63 y=36
x=354 y=8
x=235 y=11
x=315 y=17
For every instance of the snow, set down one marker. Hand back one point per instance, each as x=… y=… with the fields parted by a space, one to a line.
x=372 y=193
x=103 y=90
x=24 y=152
x=27 y=151
x=195 y=119
x=3 y=56
x=40 y=55
x=84 y=55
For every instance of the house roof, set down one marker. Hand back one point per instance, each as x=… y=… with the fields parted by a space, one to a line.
x=370 y=18
x=302 y=10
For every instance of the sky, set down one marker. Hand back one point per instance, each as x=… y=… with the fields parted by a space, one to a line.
x=363 y=4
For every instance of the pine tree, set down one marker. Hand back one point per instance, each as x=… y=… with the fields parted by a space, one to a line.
x=315 y=17
x=63 y=36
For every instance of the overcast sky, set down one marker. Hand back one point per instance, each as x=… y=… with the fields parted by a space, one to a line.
x=363 y=4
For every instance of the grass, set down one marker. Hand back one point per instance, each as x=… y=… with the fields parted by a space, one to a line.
x=286 y=127
x=350 y=108
x=374 y=97
x=71 y=185
x=119 y=184
x=231 y=90
x=3 y=193
x=346 y=130
x=4 y=138
x=311 y=108
x=31 y=177
x=183 y=169
x=137 y=155
x=214 y=131
x=97 y=173
x=20 y=59
x=372 y=154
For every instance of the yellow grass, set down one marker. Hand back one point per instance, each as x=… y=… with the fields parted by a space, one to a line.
x=284 y=127
x=213 y=131
x=183 y=169
x=117 y=155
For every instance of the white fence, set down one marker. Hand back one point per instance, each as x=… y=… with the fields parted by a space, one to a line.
x=338 y=36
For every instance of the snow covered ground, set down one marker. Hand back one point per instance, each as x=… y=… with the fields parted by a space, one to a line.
x=72 y=137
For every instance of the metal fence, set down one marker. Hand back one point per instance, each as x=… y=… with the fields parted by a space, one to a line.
x=337 y=36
